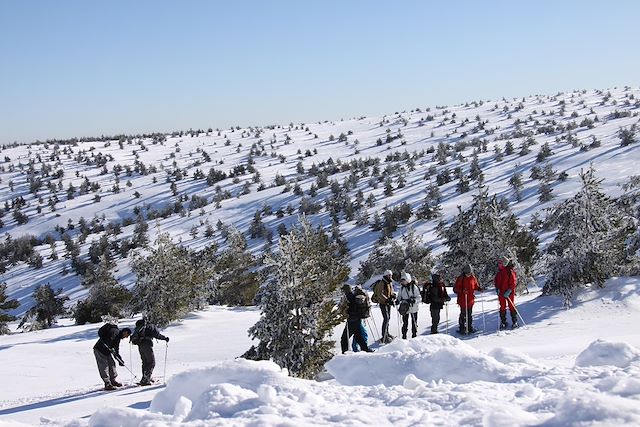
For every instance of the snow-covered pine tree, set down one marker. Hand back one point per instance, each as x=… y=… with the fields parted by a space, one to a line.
x=409 y=254
x=6 y=304
x=49 y=304
x=167 y=284
x=481 y=235
x=590 y=244
x=235 y=279
x=106 y=296
x=298 y=302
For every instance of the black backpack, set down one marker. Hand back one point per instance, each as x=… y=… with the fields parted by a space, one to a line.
x=362 y=305
x=426 y=293
x=138 y=334
x=103 y=332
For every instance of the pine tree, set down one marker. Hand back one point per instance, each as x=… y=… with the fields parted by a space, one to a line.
x=298 y=303
x=6 y=304
x=167 y=284
x=106 y=296
x=590 y=244
x=409 y=254
x=234 y=280
x=482 y=234
x=48 y=306
x=516 y=183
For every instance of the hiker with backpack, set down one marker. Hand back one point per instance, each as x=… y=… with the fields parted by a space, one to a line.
x=106 y=349
x=435 y=294
x=505 y=283
x=143 y=336
x=385 y=297
x=358 y=307
x=408 y=304
x=465 y=287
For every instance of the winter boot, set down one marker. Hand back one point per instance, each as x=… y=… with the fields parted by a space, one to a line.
x=503 y=321
x=109 y=386
x=514 y=320
x=116 y=383
x=434 y=329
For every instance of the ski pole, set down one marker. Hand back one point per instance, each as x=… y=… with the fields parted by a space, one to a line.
x=517 y=312
x=484 y=325
x=373 y=319
x=164 y=374
x=446 y=312
x=466 y=312
x=130 y=362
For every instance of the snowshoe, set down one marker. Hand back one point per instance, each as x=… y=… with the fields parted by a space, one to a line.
x=515 y=325
x=503 y=326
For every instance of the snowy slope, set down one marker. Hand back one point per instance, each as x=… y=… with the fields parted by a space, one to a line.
x=277 y=150
x=566 y=367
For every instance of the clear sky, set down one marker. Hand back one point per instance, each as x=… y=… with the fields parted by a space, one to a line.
x=79 y=68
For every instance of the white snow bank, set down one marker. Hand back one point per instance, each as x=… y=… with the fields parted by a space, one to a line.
x=604 y=353
x=429 y=358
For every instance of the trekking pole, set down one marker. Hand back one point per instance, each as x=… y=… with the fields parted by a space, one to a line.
x=484 y=325
x=517 y=312
x=130 y=362
x=446 y=312
x=398 y=321
x=466 y=312
x=164 y=374
x=373 y=319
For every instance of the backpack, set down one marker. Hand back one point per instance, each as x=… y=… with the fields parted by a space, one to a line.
x=403 y=308
x=103 y=332
x=426 y=293
x=362 y=305
x=138 y=335
x=375 y=288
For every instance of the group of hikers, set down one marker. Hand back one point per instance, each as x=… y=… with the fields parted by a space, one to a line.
x=407 y=302
x=107 y=351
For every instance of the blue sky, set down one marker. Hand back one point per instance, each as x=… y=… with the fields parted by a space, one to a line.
x=76 y=68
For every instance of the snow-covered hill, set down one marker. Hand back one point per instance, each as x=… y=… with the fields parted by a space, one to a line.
x=92 y=188
x=572 y=367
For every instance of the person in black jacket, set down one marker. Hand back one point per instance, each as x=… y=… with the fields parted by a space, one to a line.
x=353 y=323
x=438 y=296
x=143 y=337
x=105 y=350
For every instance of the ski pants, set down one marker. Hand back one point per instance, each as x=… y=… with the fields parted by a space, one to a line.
x=353 y=328
x=503 y=302
x=148 y=360
x=435 y=317
x=354 y=345
x=414 y=324
x=466 y=318
x=386 y=315
x=106 y=366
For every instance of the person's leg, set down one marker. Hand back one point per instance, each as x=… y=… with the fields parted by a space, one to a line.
x=358 y=337
x=435 y=318
x=414 y=325
x=385 y=309
x=344 y=340
x=405 y=325
x=103 y=366
x=470 y=319
x=462 y=321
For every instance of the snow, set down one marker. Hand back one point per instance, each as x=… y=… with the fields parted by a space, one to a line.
x=565 y=368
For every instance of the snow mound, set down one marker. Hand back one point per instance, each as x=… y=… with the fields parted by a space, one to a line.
x=603 y=353
x=428 y=358
x=222 y=389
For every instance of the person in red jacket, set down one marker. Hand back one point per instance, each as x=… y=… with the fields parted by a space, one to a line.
x=505 y=283
x=465 y=287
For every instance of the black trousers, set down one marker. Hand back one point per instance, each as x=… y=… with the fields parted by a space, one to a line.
x=353 y=329
x=386 y=315
x=435 y=317
x=148 y=360
x=466 y=316
x=414 y=324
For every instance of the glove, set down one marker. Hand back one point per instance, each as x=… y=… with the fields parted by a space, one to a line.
x=119 y=359
x=166 y=339
x=497 y=291
x=448 y=298
x=507 y=293
x=412 y=301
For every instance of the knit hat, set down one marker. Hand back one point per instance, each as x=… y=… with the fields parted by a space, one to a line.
x=505 y=260
x=406 y=277
x=435 y=278
x=346 y=288
x=387 y=273
x=467 y=269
